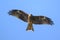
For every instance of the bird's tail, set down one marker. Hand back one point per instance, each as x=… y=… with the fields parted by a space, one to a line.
x=30 y=27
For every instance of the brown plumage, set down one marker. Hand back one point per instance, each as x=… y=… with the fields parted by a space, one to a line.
x=30 y=18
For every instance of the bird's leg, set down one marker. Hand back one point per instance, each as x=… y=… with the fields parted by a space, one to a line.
x=30 y=25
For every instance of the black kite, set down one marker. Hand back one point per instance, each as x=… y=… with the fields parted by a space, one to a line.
x=30 y=18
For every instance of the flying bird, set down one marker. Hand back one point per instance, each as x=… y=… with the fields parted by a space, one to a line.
x=30 y=19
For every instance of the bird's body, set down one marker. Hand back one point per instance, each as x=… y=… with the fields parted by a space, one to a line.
x=30 y=18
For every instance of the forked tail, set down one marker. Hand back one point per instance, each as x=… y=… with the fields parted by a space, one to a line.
x=30 y=27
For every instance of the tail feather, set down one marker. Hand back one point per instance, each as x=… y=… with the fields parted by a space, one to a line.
x=30 y=27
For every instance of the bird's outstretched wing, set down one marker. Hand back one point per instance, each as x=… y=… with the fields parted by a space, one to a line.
x=35 y=19
x=41 y=20
x=19 y=14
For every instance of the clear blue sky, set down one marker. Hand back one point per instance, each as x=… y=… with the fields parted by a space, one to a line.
x=11 y=28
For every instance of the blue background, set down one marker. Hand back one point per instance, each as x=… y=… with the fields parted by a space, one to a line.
x=12 y=28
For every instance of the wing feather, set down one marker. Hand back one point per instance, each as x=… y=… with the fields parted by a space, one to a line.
x=19 y=14
x=23 y=16
x=41 y=20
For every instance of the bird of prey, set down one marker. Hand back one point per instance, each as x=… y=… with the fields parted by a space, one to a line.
x=30 y=19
